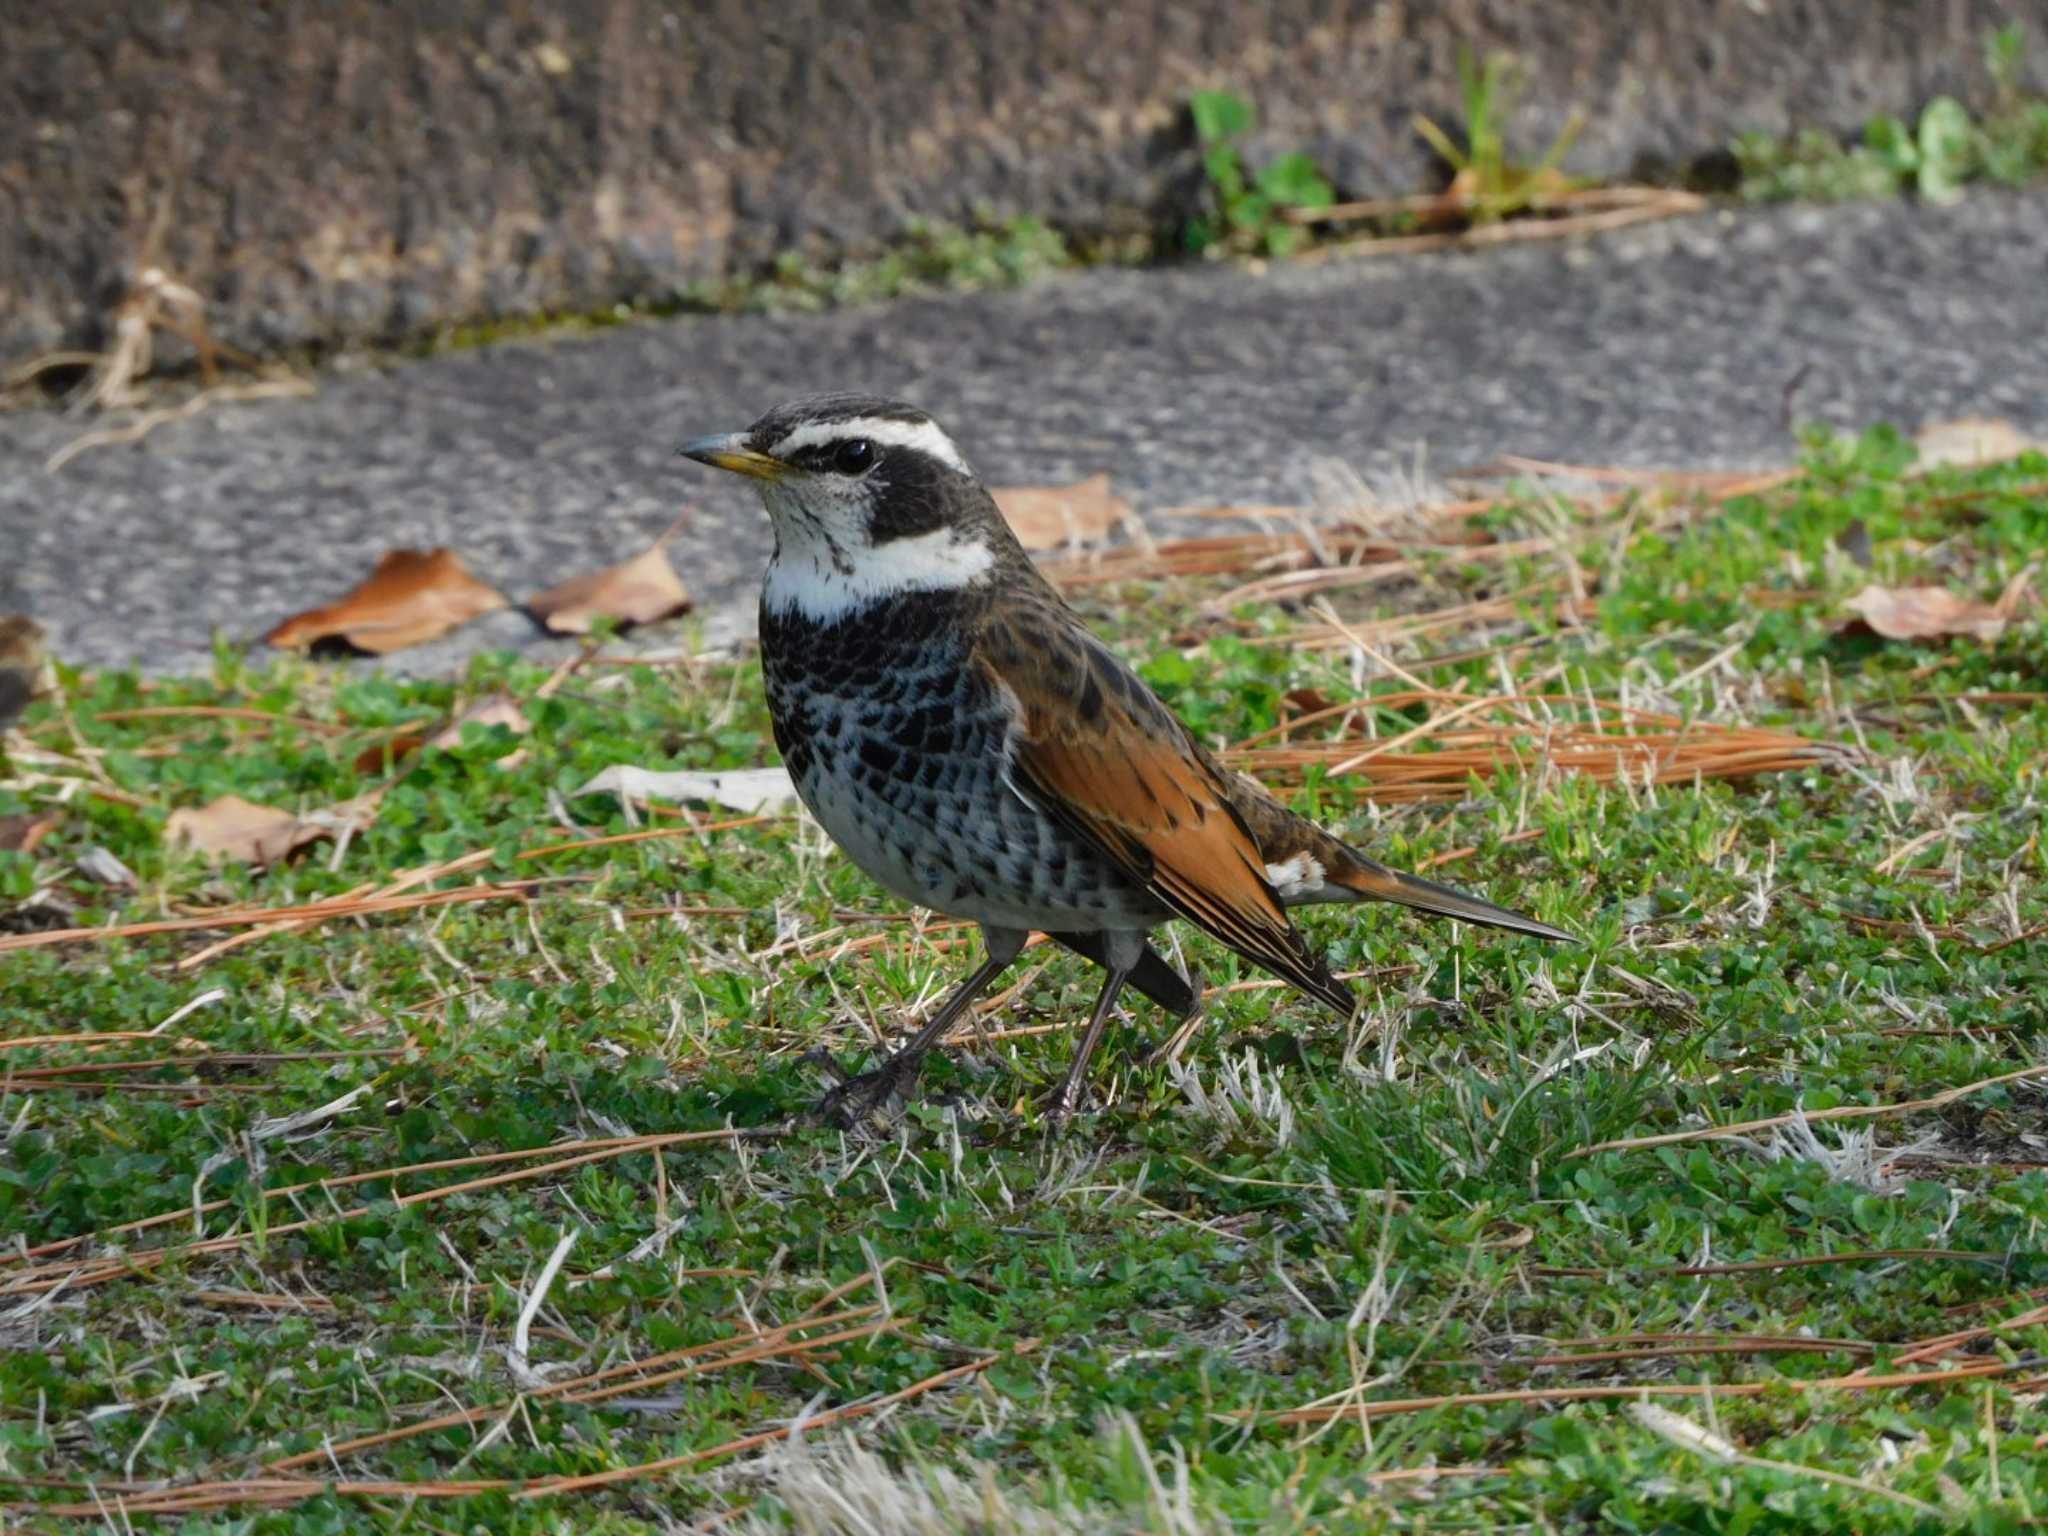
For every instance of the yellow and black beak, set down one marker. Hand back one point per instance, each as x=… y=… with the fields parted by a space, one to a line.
x=729 y=450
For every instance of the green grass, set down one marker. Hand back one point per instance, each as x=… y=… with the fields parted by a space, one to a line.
x=928 y=256
x=1431 y=1226
x=1933 y=156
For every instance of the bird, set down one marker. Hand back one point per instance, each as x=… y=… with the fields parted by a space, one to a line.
x=962 y=735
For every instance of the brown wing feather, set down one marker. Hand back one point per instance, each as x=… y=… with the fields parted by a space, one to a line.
x=1100 y=752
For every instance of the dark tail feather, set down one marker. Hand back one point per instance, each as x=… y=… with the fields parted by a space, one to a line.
x=1153 y=977
x=1369 y=879
x=1327 y=990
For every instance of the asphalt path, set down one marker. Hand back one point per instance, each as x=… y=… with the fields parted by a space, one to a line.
x=1685 y=344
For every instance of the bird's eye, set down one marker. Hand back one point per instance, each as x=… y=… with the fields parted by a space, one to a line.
x=853 y=456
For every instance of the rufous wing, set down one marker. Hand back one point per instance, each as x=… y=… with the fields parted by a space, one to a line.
x=1100 y=753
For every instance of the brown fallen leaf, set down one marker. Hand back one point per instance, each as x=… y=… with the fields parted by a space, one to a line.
x=1971 y=440
x=494 y=709
x=1048 y=516
x=25 y=834
x=413 y=596
x=234 y=828
x=642 y=590
x=21 y=665
x=1933 y=613
x=1308 y=700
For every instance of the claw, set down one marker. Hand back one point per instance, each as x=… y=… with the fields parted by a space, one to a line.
x=872 y=1101
x=1058 y=1108
x=826 y=1063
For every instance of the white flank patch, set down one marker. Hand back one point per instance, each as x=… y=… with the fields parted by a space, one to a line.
x=924 y=436
x=1300 y=876
x=807 y=581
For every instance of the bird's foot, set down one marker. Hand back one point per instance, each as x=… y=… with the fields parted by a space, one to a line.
x=1062 y=1105
x=869 y=1102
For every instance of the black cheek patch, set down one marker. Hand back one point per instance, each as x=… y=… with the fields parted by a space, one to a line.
x=913 y=494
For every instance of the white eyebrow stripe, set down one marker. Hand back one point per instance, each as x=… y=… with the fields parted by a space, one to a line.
x=924 y=436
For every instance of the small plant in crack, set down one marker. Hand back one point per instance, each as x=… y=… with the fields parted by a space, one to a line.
x=1246 y=208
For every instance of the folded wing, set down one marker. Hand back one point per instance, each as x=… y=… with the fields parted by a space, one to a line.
x=1100 y=753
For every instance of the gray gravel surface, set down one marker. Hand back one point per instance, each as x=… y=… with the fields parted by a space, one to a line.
x=1671 y=345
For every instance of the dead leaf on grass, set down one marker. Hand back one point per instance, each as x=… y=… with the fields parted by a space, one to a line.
x=746 y=790
x=238 y=829
x=1308 y=700
x=413 y=596
x=25 y=834
x=1049 y=516
x=1971 y=440
x=642 y=590
x=494 y=709
x=1935 y=613
x=103 y=865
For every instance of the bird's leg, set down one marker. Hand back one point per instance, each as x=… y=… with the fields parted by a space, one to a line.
x=872 y=1098
x=1179 y=995
x=1121 y=952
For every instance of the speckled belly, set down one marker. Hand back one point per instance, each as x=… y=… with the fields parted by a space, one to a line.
x=901 y=763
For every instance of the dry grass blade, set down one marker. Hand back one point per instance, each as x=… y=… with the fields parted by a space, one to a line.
x=149 y=421
x=1351 y=1408
x=1334 y=547
x=426 y=874
x=1772 y=1266
x=1665 y=204
x=1292 y=586
x=1654 y=1348
x=1813 y=1117
x=768 y=1436
x=309 y=912
x=221 y=712
x=1454 y=201
x=702 y=1359
x=1716 y=484
x=613 y=840
x=34 y=1278
x=1504 y=609
x=1219 y=555
x=1347 y=551
x=621 y=1145
x=190 y=1063
x=1935 y=1348
x=256 y=1492
x=262 y=1301
x=1535 y=733
x=787 y=1348
x=279 y=1492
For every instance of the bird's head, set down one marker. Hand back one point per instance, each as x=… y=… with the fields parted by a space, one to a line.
x=869 y=498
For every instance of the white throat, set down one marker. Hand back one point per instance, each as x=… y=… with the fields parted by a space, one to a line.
x=807 y=580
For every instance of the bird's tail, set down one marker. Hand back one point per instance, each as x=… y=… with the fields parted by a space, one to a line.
x=1366 y=880
x=1305 y=865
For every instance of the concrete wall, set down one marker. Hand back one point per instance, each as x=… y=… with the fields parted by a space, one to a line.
x=349 y=170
